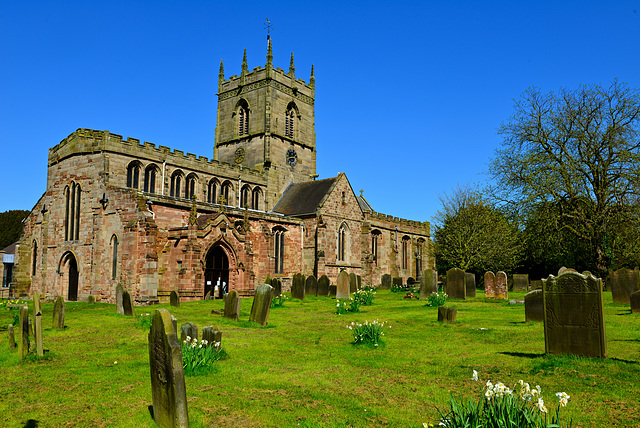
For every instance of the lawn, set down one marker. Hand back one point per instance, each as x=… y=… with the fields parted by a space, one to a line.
x=302 y=369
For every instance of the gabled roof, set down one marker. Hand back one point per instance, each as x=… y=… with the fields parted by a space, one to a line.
x=364 y=205
x=11 y=249
x=304 y=198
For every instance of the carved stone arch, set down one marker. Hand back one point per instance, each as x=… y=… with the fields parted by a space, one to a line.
x=219 y=264
x=69 y=274
x=151 y=178
x=133 y=174
x=293 y=106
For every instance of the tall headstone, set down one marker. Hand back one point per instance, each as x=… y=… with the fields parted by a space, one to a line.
x=533 y=309
x=311 y=286
x=12 y=337
x=446 y=314
x=23 y=332
x=574 y=315
x=385 y=283
x=502 y=286
x=167 y=375
x=174 y=299
x=342 y=287
x=428 y=283
x=323 y=285
x=127 y=304
x=456 y=288
x=37 y=322
x=261 y=304
x=520 y=282
x=635 y=302
x=277 y=286
x=119 y=306
x=353 y=283
x=470 y=284
x=623 y=282
x=297 y=287
x=212 y=335
x=188 y=329
x=58 y=313
x=232 y=305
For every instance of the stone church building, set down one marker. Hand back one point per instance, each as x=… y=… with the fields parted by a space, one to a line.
x=155 y=220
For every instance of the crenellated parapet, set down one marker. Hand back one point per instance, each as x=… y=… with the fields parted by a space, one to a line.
x=390 y=222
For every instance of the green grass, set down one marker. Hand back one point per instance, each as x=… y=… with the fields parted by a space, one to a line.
x=302 y=370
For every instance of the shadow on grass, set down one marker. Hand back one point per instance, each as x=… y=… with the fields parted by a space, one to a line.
x=31 y=423
x=625 y=313
x=522 y=354
x=624 y=361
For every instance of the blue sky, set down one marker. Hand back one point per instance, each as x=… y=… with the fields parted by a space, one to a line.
x=408 y=95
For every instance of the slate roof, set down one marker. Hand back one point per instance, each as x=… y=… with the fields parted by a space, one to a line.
x=11 y=249
x=304 y=198
x=364 y=205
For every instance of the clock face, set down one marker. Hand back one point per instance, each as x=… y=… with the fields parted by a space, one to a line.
x=239 y=155
x=292 y=157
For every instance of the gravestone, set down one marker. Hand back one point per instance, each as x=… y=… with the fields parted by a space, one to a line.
x=536 y=284
x=502 y=286
x=188 y=329
x=342 y=288
x=470 y=284
x=261 y=304
x=428 y=283
x=167 y=375
x=174 y=299
x=385 y=283
x=37 y=322
x=119 y=307
x=127 y=304
x=520 y=282
x=446 y=314
x=174 y=323
x=23 y=332
x=323 y=285
x=232 y=305
x=12 y=337
x=456 y=288
x=533 y=309
x=573 y=315
x=359 y=282
x=277 y=286
x=564 y=269
x=212 y=335
x=634 y=299
x=396 y=281
x=297 y=287
x=623 y=282
x=489 y=285
x=333 y=290
x=91 y=299
x=311 y=286
x=268 y=280
x=58 y=313
x=353 y=283
x=208 y=295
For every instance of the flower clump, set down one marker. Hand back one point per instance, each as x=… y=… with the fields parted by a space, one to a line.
x=346 y=306
x=437 y=299
x=367 y=332
x=198 y=356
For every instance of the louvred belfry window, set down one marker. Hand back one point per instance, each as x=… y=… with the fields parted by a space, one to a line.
x=288 y=124
x=243 y=121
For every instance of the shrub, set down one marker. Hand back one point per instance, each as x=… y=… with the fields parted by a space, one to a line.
x=198 y=358
x=278 y=301
x=364 y=296
x=437 y=299
x=367 y=333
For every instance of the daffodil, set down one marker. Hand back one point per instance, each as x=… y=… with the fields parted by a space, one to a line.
x=475 y=375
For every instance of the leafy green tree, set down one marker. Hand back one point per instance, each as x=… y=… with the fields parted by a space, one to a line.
x=474 y=236
x=11 y=226
x=576 y=152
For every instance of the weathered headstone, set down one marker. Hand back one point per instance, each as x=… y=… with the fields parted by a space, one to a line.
x=353 y=283
x=311 y=286
x=564 y=269
x=623 y=282
x=428 y=283
x=23 y=332
x=333 y=290
x=502 y=286
x=91 y=299
x=297 y=287
x=208 y=295
x=342 y=287
x=536 y=284
x=232 y=305
x=261 y=304
x=127 y=304
x=533 y=309
x=446 y=314
x=385 y=283
x=456 y=288
x=573 y=315
x=635 y=302
x=359 y=281
x=167 y=375
x=396 y=281
x=212 y=335
x=12 y=337
x=37 y=322
x=277 y=286
x=58 y=313
x=119 y=306
x=174 y=299
x=520 y=282
x=323 y=285
x=188 y=329
x=268 y=280
x=470 y=284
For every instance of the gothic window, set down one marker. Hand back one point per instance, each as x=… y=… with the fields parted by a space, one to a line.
x=375 y=236
x=342 y=242
x=256 y=195
x=72 y=212
x=288 y=124
x=242 y=114
x=34 y=257
x=150 y=179
x=176 y=184
x=133 y=175
x=244 y=196
x=212 y=191
x=226 y=192
x=114 y=256
x=190 y=188
x=278 y=238
x=405 y=252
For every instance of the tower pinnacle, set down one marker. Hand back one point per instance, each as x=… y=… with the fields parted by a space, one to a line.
x=292 y=68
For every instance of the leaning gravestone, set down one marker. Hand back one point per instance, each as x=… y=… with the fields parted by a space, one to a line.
x=520 y=282
x=353 y=283
x=428 y=283
x=12 y=337
x=342 y=288
x=573 y=315
x=174 y=299
x=470 y=284
x=58 y=313
x=297 y=287
x=167 y=375
x=212 y=335
x=446 y=314
x=127 y=304
x=385 y=284
x=456 y=288
x=119 y=307
x=188 y=329
x=635 y=302
x=37 y=322
x=232 y=305
x=623 y=282
x=533 y=309
x=261 y=304
x=311 y=286
x=277 y=286
x=323 y=285
x=23 y=332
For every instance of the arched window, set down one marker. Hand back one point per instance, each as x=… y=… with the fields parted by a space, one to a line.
x=114 y=256
x=72 y=212
x=150 y=179
x=342 y=242
x=212 y=191
x=176 y=184
x=242 y=113
x=405 y=252
x=226 y=192
x=278 y=239
x=256 y=196
x=190 y=188
x=244 y=196
x=133 y=175
x=34 y=257
x=375 y=236
x=288 y=122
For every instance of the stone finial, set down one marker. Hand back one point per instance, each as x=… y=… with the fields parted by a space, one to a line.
x=193 y=217
x=312 y=79
x=269 y=56
x=221 y=74
x=292 y=68
x=244 y=62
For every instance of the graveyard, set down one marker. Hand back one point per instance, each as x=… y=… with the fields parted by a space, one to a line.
x=301 y=368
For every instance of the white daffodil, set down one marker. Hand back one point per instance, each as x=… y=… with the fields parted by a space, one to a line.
x=475 y=376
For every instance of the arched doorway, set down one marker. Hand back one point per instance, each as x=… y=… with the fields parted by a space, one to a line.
x=216 y=271
x=69 y=271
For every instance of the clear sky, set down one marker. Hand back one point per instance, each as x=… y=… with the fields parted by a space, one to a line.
x=408 y=94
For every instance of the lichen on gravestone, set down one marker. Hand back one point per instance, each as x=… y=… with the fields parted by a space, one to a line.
x=58 y=313
x=261 y=304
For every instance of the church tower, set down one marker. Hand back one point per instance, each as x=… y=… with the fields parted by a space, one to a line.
x=266 y=121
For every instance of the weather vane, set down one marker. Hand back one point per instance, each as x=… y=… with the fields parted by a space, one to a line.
x=267 y=26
